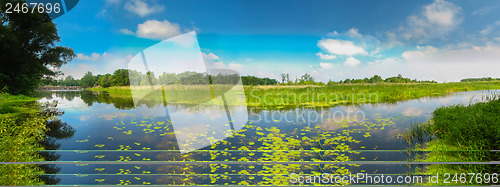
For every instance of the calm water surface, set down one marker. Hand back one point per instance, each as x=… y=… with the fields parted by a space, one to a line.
x=97 y=127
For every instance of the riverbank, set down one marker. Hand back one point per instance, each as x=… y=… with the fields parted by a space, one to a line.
x=22 y=128
x=460 y=133
x=323 y=96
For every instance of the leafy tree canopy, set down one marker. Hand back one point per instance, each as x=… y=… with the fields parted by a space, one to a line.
x=28 y=50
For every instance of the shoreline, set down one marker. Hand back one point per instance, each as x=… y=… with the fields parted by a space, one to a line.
x=282 y=96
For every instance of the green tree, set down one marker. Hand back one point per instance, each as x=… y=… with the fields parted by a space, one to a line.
x=120 y=78
x=376 y=79
x=28 y=50
x=88 y=80
x=167 y=78
x=306 y=79
x=70 y=81
x=105 y=80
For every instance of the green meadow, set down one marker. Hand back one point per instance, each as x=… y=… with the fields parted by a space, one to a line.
x=22 y=127
x=277 y=96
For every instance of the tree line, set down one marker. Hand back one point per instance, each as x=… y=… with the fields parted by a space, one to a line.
x=480 y=79
x=307 y=79
x=378 y=79
x=125 y=77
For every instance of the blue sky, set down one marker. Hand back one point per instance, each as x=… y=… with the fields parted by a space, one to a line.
x=434 y=39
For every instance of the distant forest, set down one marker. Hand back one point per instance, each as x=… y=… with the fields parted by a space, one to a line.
x=479 y=79
x=122 y=77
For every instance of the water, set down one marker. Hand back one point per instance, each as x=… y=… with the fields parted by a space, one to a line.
x=143 y=145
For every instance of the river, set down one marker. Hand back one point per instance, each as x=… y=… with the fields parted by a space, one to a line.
x=114 y=142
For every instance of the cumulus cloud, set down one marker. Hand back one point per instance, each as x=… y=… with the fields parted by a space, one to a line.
x=326 y=56
x=209 y=56
x=351 y=61
x=435 y=20
x=214 y=62
x=158 y=30
x=141 y=8
x=92 y=57
x=354 y=32
x=420 y=53
x=450 y=64
x=96 y=63
x=326 y=65
x=442 y=13
x=221 y=65
x=341 y=47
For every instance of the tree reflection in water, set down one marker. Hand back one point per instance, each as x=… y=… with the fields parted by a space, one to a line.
x=56 y=129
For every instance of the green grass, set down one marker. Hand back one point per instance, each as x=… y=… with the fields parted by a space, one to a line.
x=21 y=129
x=318 y=96
x=355 y=93
x=464 y=133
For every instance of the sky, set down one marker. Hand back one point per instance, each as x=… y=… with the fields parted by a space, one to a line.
x=331 y=40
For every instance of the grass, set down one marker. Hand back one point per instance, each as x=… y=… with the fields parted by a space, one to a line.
x=21 y=129
x=313 y=96
x=464 y=133
x=354 y=93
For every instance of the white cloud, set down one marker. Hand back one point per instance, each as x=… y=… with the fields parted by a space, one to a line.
x=154 y=29
x=235 y=66
x=269 y=75
x=351 y=61
x=141 y=8
x=435 y=20
x=442 y=13
x=413 y=55
x=489 y=28
x=341 y=47
x=390 y=60
x=454 y=64
x=96 y=63
x=127 y=31
x=326 y=65
x=422 y=51
x=92 y=57
x=209 y=56
x=392 y=40
x=354 y=32
x=326 y=56
x=83 y=66
x=221 y=65
x=213 y=62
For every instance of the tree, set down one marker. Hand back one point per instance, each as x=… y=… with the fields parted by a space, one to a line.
x=88 y=80
x=120 y=78
x=252 y=80
x=167 y=78
x=28 y=50
x=283 y=78
x=70 y=81
x=306 y=79
x=376 y=79
x=105 y=80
